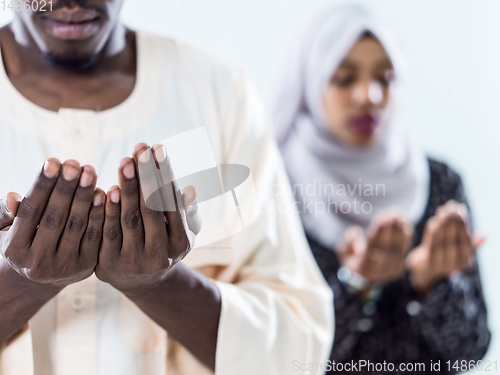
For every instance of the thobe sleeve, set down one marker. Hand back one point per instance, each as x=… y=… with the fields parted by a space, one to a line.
x=277 y=310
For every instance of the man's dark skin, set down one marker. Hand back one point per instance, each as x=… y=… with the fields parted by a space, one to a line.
x=56 y=235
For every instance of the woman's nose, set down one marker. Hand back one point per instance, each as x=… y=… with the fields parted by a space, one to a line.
x=368 y=93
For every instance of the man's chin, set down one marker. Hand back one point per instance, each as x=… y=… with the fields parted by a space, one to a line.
x=71 y=62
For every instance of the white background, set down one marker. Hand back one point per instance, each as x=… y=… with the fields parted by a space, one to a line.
x=451 y=101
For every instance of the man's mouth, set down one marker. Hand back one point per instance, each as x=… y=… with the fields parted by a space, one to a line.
x=71 y=24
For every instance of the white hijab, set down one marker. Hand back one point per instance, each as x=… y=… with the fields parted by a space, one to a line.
x=396 y=171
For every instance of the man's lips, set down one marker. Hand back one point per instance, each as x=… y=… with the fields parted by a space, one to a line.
x=71 y=24
x=73 y=15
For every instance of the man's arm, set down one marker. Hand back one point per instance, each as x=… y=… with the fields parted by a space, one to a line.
x=20 y=299
x=187 y=305
x=141 y=250
x=47 y=241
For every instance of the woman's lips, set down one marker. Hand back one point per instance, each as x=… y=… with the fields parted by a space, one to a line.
x=364 y=124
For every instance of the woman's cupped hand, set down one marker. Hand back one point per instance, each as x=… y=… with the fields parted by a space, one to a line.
x=381 y=255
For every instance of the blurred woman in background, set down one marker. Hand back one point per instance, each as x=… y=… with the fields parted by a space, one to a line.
x=388 y=226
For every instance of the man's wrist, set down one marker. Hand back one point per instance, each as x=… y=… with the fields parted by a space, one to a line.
x=44 y=291
x=147 y=290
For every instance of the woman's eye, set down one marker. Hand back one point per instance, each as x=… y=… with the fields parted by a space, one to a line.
x=382 y=80
x=385 y=79
x=343 y=81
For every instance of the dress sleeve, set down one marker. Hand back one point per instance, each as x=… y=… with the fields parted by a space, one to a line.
x=452 y=319
x=277 y=310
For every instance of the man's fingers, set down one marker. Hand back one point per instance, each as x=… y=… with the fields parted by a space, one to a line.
x=131 y=217
x=112 y=230
x=150 y=200
x=175 y=214
x=193 y=216
x=188 y=195
x=31 y=208
x=8 y=209
x=56 y=212
x=76 y=224
x=149 y=181
x=91 y=240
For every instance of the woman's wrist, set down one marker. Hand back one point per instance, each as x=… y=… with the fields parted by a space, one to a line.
x=422 y=282
x=357 y=284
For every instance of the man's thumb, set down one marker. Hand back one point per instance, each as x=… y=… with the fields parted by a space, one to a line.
x=8 y=208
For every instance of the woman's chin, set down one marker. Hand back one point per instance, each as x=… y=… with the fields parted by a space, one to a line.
x=361 y=140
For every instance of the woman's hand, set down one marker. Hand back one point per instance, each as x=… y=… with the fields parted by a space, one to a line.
x=379 y=257
x=447 y=246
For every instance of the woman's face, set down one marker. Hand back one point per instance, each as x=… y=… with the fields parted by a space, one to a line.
x=357 y=100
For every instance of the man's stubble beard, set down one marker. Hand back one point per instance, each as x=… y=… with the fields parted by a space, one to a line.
x=70 y=62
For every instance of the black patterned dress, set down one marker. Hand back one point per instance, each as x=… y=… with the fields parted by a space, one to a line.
x=401 y=328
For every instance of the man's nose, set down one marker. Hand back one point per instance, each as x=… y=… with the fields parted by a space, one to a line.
x=368 y=93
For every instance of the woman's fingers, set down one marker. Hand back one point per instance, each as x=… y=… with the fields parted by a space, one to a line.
x=464 y=248
x=437 y=248
x=451 y=247
x=450 y=253
x=371 y=262
x=399 y=246
x=477 y=240
x=351 y=235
